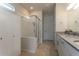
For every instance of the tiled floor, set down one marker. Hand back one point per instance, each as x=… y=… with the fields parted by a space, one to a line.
x=45 y=49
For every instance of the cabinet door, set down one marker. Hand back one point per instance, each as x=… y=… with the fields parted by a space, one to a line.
x=62 y=47
x=56 y=42
x=72 y=50
x=60 y=51
x=65 y=49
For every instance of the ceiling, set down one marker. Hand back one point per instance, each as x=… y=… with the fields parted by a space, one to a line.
x=24 y=8
x=37 y=6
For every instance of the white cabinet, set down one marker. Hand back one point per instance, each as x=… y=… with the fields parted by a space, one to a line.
x=64 y=48
x=59 y=46
x=60 y=51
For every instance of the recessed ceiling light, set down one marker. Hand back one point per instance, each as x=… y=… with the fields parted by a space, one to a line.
x=31 y=7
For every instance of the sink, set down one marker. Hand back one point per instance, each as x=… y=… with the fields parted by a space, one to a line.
x=76 y=42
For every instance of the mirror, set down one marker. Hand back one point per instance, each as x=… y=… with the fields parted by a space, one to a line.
x=73 y=19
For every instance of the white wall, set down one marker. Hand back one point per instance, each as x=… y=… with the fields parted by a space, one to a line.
x=61 y=17
x=10 y=33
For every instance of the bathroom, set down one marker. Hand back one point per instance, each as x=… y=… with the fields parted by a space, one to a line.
x=39 y=29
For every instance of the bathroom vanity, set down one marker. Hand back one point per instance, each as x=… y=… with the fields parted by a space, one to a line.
x=67 y=45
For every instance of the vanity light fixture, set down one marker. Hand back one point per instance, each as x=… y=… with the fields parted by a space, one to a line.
x=7 y=6
x=70 y=6
x=76 y=6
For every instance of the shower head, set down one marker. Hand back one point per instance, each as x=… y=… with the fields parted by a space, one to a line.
x=35 y=16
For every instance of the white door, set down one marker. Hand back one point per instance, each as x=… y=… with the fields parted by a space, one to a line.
x=48 y=27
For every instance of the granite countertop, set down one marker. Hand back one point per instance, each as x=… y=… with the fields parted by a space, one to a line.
x=70 y=39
